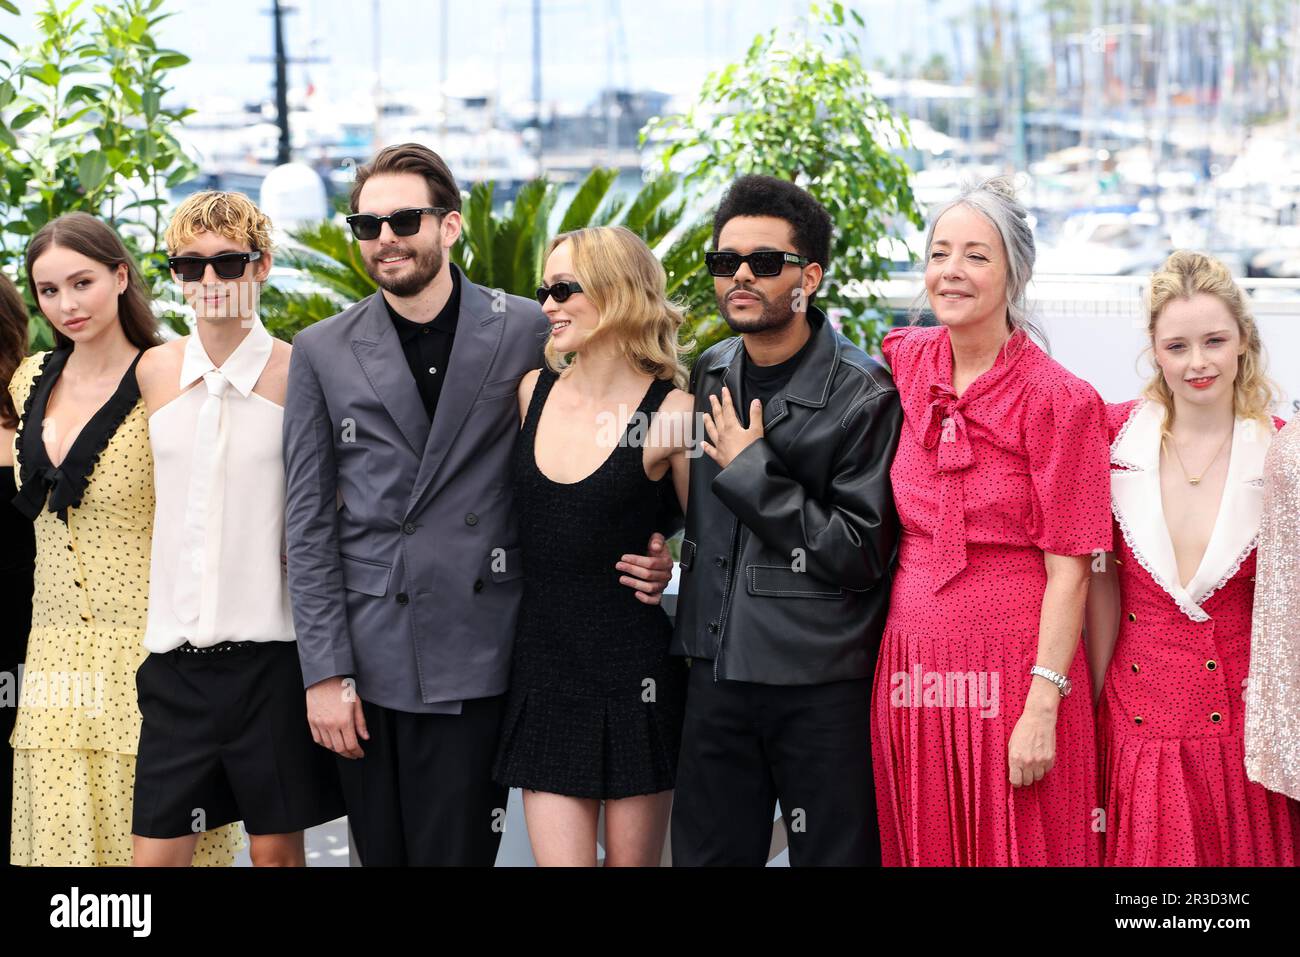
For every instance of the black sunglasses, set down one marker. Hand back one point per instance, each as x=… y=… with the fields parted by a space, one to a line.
x=403 y=222
x=766 y=262
x=226 y=266
x=560 y=291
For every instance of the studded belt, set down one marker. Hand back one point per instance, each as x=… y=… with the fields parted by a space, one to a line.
x=222 y=648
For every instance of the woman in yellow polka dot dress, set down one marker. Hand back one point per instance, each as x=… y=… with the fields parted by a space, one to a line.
x=85 y=476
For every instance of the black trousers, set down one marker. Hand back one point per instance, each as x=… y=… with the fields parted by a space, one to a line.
x=745 y=746
x=423 y=795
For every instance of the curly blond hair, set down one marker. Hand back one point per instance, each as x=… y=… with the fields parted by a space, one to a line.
x=232 y=215
x=1186 y=274
x=619 y=273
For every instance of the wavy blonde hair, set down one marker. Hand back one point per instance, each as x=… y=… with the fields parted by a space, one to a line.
x=232 y=215
x=1186 y=274
x=619 y=273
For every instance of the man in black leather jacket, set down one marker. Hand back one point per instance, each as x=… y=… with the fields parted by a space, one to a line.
x=785 y=568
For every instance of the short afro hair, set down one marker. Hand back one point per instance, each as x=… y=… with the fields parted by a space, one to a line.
x=756 y=195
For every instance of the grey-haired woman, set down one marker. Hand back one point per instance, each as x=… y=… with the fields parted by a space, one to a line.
x=981 y=754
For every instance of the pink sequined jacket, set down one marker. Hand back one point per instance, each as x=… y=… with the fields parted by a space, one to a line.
x=1273 y=692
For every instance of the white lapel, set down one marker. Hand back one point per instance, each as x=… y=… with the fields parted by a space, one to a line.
x=1136 y=502
x=1237 y=527
x=1138 y=508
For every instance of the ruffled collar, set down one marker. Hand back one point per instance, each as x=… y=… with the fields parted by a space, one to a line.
x=1137 y=503
x=63 y=486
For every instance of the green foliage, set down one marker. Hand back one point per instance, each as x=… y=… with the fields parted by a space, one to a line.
x=328 y=258
x=800 y=107
x=505 y=249
x=82 y=128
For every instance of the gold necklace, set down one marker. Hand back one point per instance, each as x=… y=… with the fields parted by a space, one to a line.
x=1197 y=479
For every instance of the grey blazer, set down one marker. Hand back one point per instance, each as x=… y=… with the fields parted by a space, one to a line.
x=404 y=568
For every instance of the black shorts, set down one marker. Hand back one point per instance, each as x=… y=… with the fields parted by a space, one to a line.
x=225 y=738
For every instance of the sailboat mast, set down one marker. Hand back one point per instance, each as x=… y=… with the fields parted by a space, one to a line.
x=537 y=81
x=281 y=85
x=376 y=55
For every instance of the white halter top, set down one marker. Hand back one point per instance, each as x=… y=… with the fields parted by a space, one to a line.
x=218 y=530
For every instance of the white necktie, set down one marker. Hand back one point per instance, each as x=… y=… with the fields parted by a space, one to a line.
x=203 y=503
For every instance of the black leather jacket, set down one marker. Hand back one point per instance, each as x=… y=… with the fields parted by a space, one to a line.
x=788 y=552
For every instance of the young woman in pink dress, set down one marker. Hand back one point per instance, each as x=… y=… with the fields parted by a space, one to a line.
x=1169 y=613
x=982 y=755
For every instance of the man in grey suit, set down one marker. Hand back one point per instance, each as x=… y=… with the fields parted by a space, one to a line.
x=404 y=574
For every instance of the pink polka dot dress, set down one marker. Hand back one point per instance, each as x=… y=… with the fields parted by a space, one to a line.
x=984 y=485
x=1172 y=716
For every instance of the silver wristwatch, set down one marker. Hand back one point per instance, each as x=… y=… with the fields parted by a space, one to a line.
x=1063 y=684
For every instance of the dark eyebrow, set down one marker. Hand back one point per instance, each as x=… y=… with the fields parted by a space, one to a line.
x=395 y=209
x=73 y=275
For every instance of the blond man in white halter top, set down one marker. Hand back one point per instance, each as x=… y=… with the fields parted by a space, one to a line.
x=225 y=734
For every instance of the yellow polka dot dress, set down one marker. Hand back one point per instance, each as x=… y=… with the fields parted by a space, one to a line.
x=78 y=725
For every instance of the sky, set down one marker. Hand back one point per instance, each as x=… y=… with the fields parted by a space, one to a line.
x=667 y=45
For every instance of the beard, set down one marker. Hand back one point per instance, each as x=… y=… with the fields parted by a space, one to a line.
x=777 y=313
x=419 y=273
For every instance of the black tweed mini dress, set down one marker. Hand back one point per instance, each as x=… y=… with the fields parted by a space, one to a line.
x=596 y=703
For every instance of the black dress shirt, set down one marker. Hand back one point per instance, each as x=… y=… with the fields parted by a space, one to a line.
x=427 y=345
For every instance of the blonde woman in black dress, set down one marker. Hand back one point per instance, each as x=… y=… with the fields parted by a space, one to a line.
x=595 y=706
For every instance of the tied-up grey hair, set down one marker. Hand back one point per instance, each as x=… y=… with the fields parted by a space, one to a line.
x=995 y=200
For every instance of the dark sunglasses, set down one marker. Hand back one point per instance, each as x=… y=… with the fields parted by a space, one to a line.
x=766 y=262
x=403 y=222
x=560 y=291
x=226 y=266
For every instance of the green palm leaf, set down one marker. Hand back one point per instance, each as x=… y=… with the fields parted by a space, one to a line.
x=652 y=195
x=474 y=251
x=582 y=208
